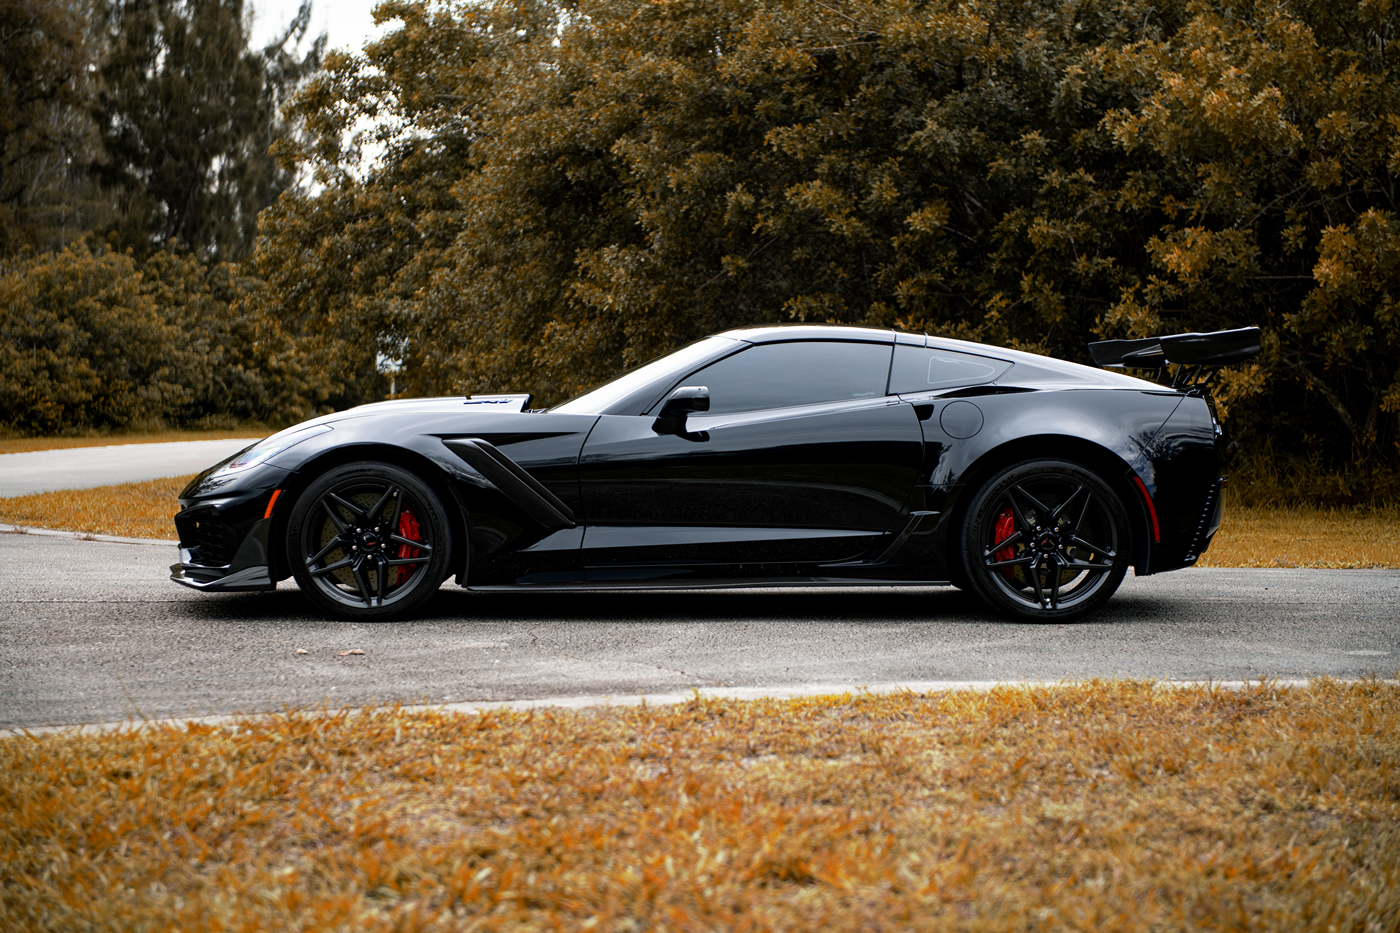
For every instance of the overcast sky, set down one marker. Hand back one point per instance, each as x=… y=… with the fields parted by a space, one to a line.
x=347 y=22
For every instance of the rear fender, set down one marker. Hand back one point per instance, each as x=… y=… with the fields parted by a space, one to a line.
x=1104 y=462
x=1186 y=468
x=1108 y=431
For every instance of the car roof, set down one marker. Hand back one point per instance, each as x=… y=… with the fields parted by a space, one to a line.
x=776 y=333
x=1031 y=368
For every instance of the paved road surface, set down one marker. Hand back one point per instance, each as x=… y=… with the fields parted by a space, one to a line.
x=94 y=632
x=86 y=467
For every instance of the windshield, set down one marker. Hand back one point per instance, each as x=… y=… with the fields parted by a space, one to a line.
x=597 y=401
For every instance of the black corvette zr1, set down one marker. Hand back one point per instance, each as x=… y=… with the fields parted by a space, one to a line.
x=764 y=456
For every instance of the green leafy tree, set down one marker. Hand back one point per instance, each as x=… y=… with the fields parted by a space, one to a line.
x=187 y=114
x=46 y=132
x=565 y=189
x=349 y=265
x=611 y=179
x=83 y=344
x=1267 y=135
x=91 y=338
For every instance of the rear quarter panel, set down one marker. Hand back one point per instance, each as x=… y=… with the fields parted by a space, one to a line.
x=1114 y=431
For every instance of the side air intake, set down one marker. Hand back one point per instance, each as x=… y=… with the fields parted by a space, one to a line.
x=510 y=478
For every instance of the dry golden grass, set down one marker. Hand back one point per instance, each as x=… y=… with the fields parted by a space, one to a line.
x=1305 y=537
x=18 y=445
x=135 y=510
x=1103 y=806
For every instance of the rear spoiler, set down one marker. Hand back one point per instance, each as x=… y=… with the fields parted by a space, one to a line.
x=1218 y=348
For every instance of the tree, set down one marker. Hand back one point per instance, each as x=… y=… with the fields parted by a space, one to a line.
x=187 y=115
x=1268 y=138
x=46 y=141
x=626 y=176
x=569 y=188
x=92 y=338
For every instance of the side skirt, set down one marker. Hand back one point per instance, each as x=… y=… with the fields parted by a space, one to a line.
x=728 y=584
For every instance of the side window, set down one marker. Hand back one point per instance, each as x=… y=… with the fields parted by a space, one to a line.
x=779 y=375
x=918 y=369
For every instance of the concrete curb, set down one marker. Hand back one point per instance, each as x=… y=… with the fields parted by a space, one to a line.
x=82 y=536
x=653 y=699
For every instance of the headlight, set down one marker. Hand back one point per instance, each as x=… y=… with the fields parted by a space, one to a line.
x=265 y=450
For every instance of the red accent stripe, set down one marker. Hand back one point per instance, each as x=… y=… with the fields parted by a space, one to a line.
x=277 y=492
x=1151 y=509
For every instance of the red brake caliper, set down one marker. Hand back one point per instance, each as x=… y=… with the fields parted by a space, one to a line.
x=408 y=528
x=1006 y=524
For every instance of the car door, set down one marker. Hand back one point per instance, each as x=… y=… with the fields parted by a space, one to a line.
x=802 y=457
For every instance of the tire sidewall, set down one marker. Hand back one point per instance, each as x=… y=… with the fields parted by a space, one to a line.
x=434 y=516
x=985 y=500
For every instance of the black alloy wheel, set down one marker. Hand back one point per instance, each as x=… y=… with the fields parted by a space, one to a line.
x=368 y=541
x=1045 y=541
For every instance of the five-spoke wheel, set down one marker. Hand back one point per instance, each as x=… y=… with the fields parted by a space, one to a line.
x=368 y=541
x=1045 y=540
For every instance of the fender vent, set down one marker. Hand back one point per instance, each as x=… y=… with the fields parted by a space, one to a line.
x=1206 y=527
x=510 y=478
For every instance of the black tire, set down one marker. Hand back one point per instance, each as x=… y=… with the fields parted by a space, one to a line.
x=1037 y=515
x=368 y=541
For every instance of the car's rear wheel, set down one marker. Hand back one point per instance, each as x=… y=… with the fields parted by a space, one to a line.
x=1045 y=541
x=368 y=541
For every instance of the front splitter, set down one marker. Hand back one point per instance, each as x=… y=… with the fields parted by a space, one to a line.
x=249 y=579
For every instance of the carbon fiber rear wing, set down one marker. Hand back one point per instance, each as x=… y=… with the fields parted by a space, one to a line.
x=1197 y=356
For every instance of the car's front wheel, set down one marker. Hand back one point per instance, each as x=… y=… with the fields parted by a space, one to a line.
x=368 y=541
x=1045 y=541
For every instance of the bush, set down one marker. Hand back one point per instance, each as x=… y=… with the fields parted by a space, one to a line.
x=92 y=339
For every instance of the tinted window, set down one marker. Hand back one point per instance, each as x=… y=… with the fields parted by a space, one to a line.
x=918 y=369
x=639 y=386
x=779 y=375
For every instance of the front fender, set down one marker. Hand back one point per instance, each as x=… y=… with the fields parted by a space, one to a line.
x=495 y=521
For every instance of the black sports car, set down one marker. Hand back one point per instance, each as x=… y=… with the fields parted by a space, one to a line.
x=764 y=456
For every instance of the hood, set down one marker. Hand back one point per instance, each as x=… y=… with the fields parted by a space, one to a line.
x=442 y=404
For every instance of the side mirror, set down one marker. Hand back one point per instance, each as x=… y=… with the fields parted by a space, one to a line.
x=685 y=400
x=682 y=402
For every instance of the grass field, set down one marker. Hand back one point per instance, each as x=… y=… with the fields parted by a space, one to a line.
x=134 y=510
x=1250 y=537
x=1103 y=806
x=19 y=445
x=1306 y=537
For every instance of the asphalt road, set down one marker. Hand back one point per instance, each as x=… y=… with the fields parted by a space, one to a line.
x=95 y=632
x=86 y=467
